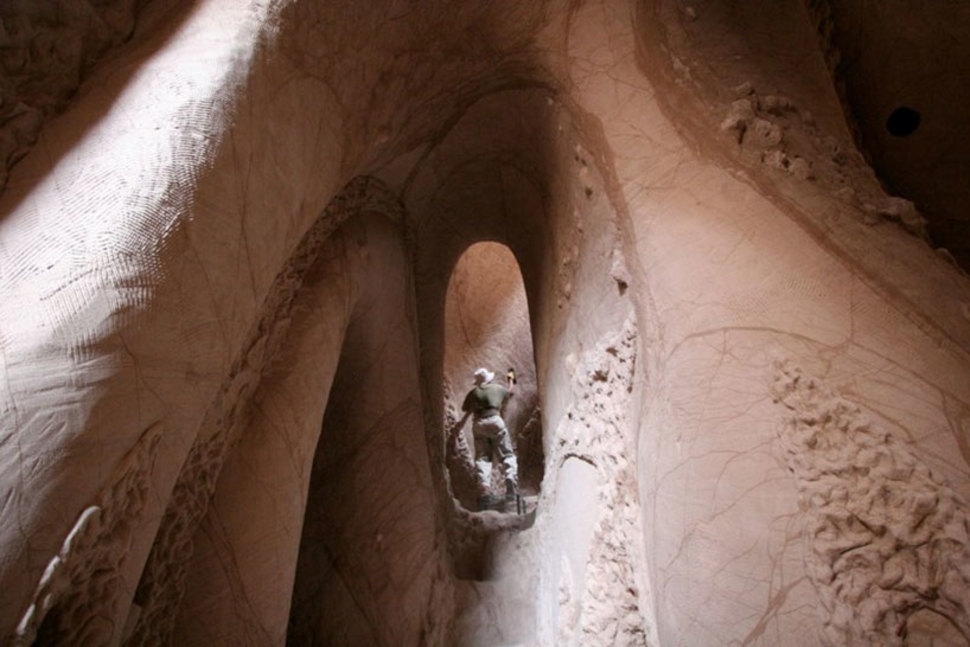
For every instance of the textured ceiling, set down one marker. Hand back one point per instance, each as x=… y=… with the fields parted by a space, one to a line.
x=884 y=57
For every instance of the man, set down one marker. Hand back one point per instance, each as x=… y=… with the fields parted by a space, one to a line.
x=485 y=403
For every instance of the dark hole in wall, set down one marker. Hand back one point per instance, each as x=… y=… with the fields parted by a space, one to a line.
x=903 y=121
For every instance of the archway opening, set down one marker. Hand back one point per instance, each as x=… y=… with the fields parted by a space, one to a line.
x=487 y=325
x=367 y=558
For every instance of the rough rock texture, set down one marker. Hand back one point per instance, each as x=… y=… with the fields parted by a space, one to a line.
x=47 y=49
x=886 y=535
x=246 y=254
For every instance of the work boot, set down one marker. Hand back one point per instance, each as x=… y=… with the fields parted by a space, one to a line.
x=510 y=490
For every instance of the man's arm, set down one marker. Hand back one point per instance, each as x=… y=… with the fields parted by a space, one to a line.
x=469 y=404
x=458 y=426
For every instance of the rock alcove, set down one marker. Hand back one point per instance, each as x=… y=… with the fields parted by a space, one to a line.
x=487 y=324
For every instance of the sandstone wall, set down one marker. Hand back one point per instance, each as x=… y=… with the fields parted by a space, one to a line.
x=225 y=398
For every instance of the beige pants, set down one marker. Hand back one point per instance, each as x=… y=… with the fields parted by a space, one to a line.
x=493 y=444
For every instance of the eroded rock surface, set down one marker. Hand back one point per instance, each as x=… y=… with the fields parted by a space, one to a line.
x=232 y=362
x=886 y=535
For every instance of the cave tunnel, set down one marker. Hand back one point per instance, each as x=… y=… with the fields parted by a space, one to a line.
x=237 y=261
x=492 y=271
x=487 y=324
x=333 y=483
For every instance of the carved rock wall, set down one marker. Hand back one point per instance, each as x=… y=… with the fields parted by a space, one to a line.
x=84 y=291
x=371 y=558
x=681 y=194
x=891 y=63
x=47 y=50
x=321 y=252
x=887 y=536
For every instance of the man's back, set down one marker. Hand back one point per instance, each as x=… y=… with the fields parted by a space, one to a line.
x=485 y=396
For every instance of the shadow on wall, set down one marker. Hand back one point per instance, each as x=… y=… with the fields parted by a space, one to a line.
x=487 y=325
x=110 y=44
x=367 y=554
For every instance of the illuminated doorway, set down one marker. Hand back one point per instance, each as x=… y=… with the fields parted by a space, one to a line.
x=487 y=326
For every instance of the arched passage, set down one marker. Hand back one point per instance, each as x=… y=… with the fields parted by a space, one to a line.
x=487 y=325
x=354 y=508
x=365 y=569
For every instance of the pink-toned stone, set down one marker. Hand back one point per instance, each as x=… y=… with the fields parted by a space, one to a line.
x=241 y=295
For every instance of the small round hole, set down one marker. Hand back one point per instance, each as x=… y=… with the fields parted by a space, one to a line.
x=902 y=122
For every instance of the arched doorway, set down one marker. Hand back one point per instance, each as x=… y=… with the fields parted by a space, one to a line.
x=487 y=325
x=367 y=555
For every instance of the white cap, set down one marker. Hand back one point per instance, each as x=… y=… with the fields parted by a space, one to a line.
x=483 y=376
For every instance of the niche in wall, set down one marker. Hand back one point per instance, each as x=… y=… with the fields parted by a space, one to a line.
x=487 y=325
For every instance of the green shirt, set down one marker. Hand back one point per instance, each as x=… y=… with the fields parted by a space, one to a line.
x=486 y=396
